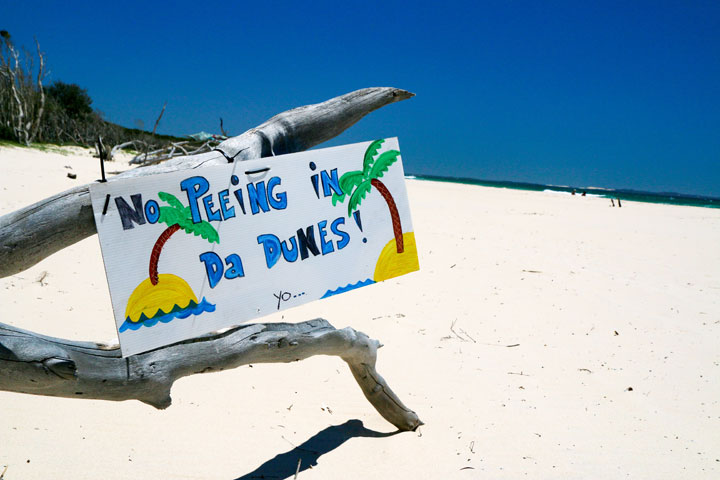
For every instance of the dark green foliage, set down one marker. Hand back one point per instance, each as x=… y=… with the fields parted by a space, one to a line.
x=61 y=113
x=71 y=98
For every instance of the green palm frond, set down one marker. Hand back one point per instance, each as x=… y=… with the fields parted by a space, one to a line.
x=382 y=164
x=348 y=182
x=177 y=214
x=204 y=230
x=357 y=184
x=337 y=198
x=360 y=192
x=171 y=216
x=171 y=200
x=370 y=155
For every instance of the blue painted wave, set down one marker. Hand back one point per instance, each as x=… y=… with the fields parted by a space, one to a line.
x=348 y=287
x=162 y=317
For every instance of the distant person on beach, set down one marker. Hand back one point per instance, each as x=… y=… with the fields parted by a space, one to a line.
x=612 y=202
x=619 y=204
x=573 y=192
x=583 y=194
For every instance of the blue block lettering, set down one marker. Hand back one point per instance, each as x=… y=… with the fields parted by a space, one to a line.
x=326 y=247
x=279 y=201
x=271 y=247
x=290 y=254
x=194 y=187
x=257 y=197
x=235 y=266
x=152 y=211
x=344 y=237
x=213 y=267
x=212 y=215
x=330 y=182
x=226 y=212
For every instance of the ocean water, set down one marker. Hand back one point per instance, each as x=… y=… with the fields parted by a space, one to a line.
x=622 y=194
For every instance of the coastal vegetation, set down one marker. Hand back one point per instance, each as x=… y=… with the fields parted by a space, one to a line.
x=59 y=113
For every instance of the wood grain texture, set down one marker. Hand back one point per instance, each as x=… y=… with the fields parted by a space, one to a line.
x=40 y=365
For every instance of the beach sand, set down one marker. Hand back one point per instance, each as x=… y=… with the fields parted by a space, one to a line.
x=545 y=336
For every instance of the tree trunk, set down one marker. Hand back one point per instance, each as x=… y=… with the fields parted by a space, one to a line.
x=394 y=215
x=157 y=248
x=41 y=73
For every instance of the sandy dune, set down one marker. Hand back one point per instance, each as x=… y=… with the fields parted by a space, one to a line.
x=545 y=336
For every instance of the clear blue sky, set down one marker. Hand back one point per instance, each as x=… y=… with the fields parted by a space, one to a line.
x=612 y=94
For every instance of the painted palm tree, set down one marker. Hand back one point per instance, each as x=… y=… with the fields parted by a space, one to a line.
x=357 y=184
x=176 y=217
x=164 y=297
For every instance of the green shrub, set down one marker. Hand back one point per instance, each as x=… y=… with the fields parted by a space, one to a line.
x=73 y=99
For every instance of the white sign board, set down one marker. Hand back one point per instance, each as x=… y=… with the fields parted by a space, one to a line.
x=191 y=252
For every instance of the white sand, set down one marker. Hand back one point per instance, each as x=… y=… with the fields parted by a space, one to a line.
x=555 y=275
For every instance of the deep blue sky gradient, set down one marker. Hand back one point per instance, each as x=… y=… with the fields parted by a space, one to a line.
x=609 y=94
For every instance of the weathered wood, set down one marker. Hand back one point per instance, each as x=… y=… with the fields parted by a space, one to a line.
x=137 y=144
x=36 y=364
x=37 y=231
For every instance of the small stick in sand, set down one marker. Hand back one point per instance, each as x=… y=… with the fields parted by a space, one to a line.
x=452 y=329
x=41 y=280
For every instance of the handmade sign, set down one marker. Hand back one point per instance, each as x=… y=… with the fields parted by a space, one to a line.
x=194 y=251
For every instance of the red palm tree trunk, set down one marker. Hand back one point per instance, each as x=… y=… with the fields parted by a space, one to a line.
x=157 y=248
x=394 y=215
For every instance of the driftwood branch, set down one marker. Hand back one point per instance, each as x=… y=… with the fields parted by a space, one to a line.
x=170 y=151
x=136 y=144
x=31 y=363
x=36 y=232
x=36 y=364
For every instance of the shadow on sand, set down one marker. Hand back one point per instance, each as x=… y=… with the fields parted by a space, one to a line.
x=284 y=465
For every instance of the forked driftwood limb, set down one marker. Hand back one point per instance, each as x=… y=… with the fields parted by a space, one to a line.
x=31 y=363
x=30 y=234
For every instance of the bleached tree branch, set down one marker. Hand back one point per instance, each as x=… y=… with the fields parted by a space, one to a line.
x=35 y=364
x=35 y=232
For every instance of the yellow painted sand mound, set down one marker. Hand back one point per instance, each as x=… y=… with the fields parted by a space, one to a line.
x=392 y=264
x=147 y=298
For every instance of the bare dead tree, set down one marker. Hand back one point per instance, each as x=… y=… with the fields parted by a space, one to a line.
x=24 y=103
x=36 y=364
x=40 y=74
x=157 y=122
x=222 y=130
